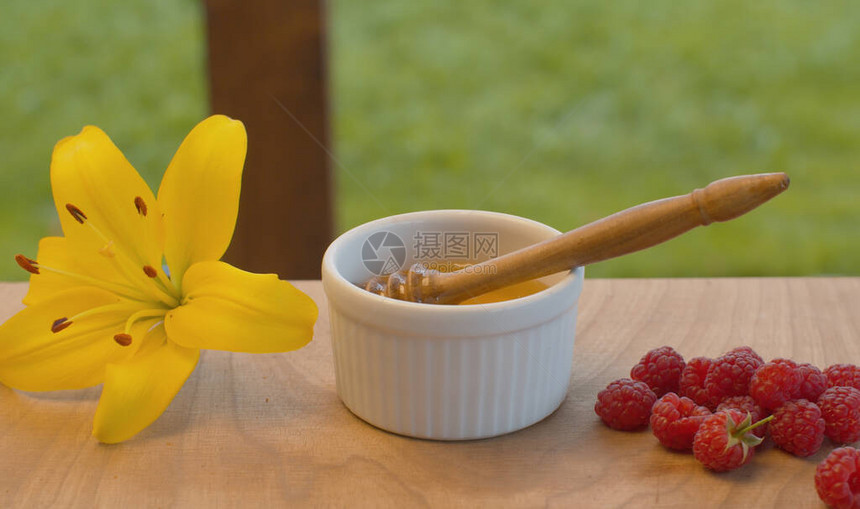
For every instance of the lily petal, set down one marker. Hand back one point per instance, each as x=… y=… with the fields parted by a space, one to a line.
x=33 y=358
x=229 y=309
x=90 y=173
x=200 y=193
x=137 y=392
x=73 y=257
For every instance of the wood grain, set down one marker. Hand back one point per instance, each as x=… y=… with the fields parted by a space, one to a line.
x=269 y=429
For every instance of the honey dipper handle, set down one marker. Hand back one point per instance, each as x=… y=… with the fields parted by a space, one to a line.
x=624 y=232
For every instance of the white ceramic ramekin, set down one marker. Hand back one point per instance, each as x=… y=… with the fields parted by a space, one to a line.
x=448 y=372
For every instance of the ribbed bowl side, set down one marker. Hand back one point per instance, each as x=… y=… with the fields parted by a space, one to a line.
x=452 y=389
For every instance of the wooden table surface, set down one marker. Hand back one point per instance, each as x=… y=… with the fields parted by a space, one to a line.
x=269 y=429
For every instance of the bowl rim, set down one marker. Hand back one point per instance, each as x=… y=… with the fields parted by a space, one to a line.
x=508 y=316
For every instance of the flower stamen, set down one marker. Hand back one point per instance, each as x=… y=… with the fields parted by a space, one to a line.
x=138 y=316
x=76 y=213
x=118 y=307
x=124 y=264
x=140 y=205
x=122 y=339
x=142 y=314
x=128 y=292
x=27 y=264
x=60 y=324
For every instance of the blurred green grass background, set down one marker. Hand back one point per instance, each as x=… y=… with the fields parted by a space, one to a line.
x=559 y=111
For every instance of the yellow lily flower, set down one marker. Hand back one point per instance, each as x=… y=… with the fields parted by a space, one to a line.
x=102 y=307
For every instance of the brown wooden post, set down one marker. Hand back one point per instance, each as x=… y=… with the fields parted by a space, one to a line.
x=267 y=68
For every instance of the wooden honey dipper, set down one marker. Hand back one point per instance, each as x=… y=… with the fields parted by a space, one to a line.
x=624 y=232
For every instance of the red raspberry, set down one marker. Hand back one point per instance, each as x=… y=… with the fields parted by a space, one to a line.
x=843 y=375
x=840 y=407
x=746 y=404
x=724 y=440
x=660 y=369
x=798 y=427
x=625 y=404
x=730 y=374
x=692 y=383
x=675 y=421
x=775 y=383
x=749 y=351
x=837 y=478
x=813 y=382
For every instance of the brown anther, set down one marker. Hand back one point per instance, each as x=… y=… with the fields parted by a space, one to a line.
x=27 y=264
x=150 y=271
x=140 y=205
x=60 y=324
x=76 y=213
x=122 y=339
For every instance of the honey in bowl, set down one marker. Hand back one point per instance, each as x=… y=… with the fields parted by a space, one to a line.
x=508 y=293
x=502 y=294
